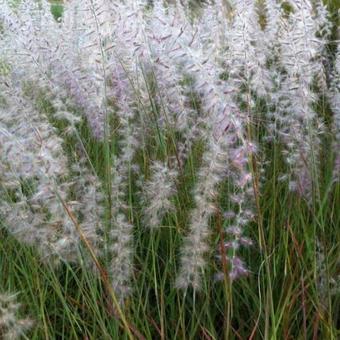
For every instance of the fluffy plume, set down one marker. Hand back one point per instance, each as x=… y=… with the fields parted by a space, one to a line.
x=297 y=123
x=335 y=104
x=130 y=71
x=158 y=193
x=12 y=326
